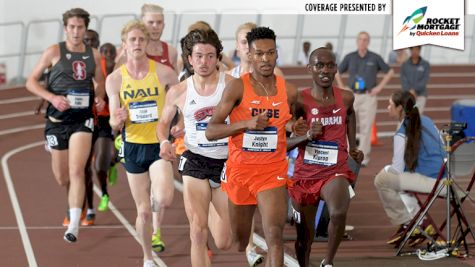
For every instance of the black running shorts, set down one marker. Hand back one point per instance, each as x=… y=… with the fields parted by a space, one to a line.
x=57 y=134
x=201 y=167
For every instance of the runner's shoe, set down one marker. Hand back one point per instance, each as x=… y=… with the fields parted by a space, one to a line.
x=70 y=235
x=325 y=265
x=157 y=243
x=66 y=219
x=149 y=263
x=104 y=203
x=89 y=220
x=254 y=258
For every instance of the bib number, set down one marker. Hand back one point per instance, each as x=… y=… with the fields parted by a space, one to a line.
x=260 y=141
x=78 y=98
x=321 y=153
x=203 y=141
x=143 y=112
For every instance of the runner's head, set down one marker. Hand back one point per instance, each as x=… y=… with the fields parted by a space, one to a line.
x=152 y=17
x=242 y=46
x=75 y=23
x=91 y=38
x=108 y=51
x=199 y=25
x=262 y=50
x=203 y=49
x=322 y=66
x=135 y=38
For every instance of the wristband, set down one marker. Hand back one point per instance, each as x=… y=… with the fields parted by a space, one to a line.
x=164 y=141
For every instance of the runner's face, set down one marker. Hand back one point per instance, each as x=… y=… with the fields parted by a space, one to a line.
x=203 y=59
x=75 y=30
x=109 y=52
x=91 y=39
x=135 y=43
x=323 y=69
x=155 y=24
x=263 y=56
x=242 y=45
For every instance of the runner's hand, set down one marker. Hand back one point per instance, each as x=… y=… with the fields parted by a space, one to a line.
x=300 y=127
x=60 y=102
x=167 y=151
x=177 y=131
x=357 y=155
x=100 y=103
x=316 y=130
x=258 y=122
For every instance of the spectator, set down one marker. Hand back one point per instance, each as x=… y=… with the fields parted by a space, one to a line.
x=397 y=57
x=363 y=66
x=302 y=59
x=414 y=76
x=330 y=46
x=417 y=156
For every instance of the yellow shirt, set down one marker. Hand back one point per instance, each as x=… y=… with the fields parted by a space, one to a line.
x=144 y=100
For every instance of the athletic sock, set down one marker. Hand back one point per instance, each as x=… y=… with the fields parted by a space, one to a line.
x=90 y=211
x=74 y=217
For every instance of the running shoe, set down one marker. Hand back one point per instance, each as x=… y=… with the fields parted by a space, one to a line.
x=66 y=219
x=149 y=263
x=325 y=265
x=157 y=243
x=89 y=220
x=104 y=203
x=112 y=174
x=70 y=235
x=254 y=258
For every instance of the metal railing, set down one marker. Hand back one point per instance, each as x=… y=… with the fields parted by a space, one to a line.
x=219 y=23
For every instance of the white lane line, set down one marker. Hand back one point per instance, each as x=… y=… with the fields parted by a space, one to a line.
x=16 y=115
x=22 y=129
x=257 y=239
x=127 y=225
x=18 y=100
x=19 y=217
x=30 y=255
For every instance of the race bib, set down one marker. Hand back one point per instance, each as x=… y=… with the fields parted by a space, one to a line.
x=260 y=141
x=143 y=112
x=203 y=141
x=321 y=153
x=78 y=98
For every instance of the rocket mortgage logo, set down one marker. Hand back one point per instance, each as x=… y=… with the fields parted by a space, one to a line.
x=426 y=25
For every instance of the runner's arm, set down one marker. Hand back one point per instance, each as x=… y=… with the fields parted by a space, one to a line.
x=217 y=127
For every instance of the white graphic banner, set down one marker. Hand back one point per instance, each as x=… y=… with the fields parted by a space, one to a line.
x=428 y=22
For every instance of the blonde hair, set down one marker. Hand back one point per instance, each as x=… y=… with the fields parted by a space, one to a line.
x=151 y=8
x=246 y=26
x=199 y=25
x=132 y=25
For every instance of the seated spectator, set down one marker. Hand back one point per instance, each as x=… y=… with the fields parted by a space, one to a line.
x=417 y=157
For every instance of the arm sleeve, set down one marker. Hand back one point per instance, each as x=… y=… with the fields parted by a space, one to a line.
x=404 y=79
x=382 y=65
x=398 y=153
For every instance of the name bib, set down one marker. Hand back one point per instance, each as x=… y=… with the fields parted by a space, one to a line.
x=321 y=153
x=143 y=112
x=78 y=98
x=203 y=141
x=260 y=141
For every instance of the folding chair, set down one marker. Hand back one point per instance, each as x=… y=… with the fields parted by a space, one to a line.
x=462 y=164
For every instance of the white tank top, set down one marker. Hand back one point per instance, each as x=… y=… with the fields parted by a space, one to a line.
x=197 y=111
x=236 y=71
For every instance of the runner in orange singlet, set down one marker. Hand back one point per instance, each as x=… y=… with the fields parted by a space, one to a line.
x=256 y=170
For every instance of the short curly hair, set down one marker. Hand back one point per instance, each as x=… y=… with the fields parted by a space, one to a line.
x=260 y=33
x=201 y=37
x=76 y=12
